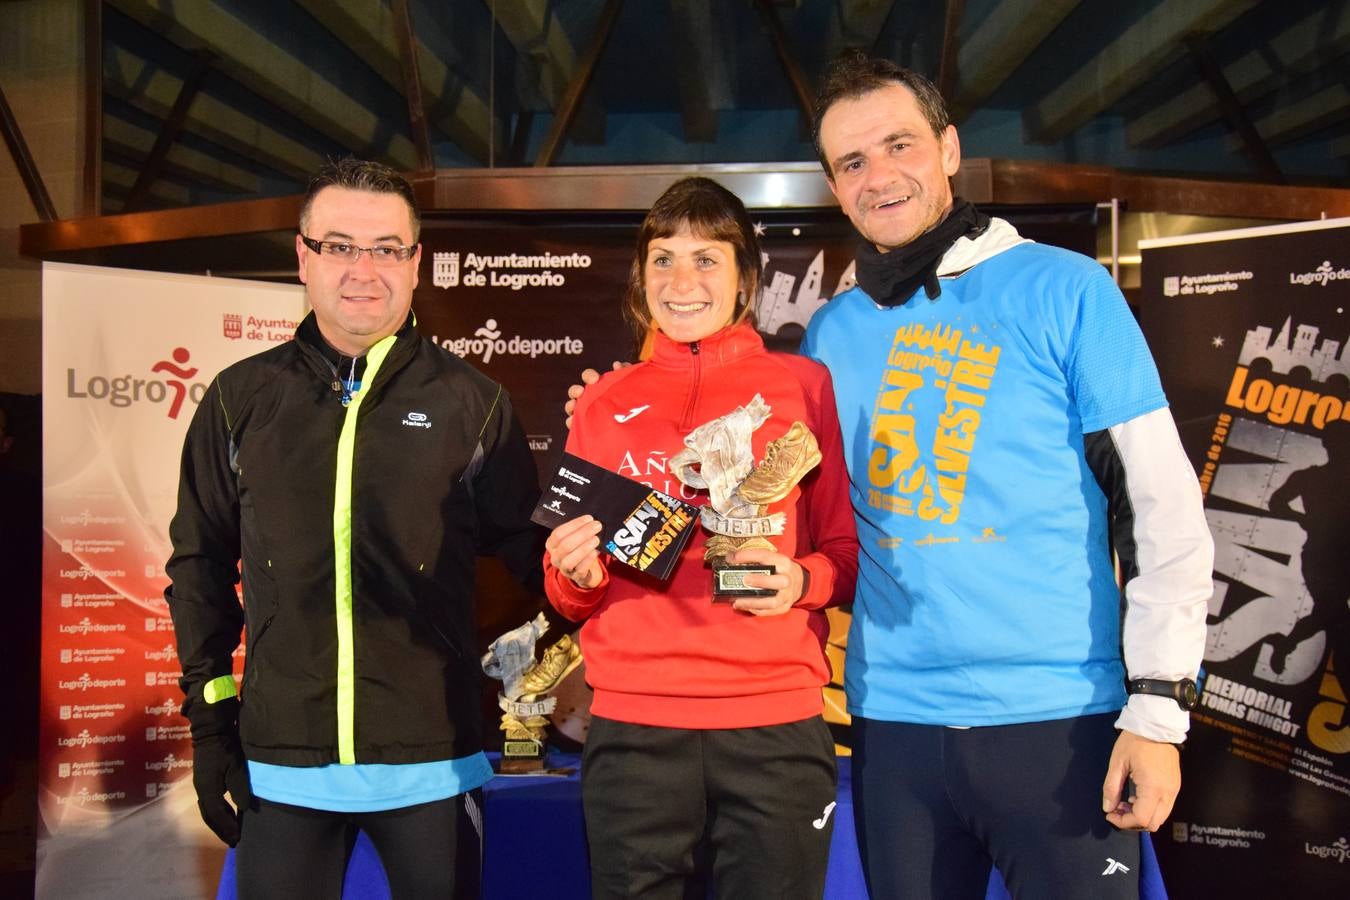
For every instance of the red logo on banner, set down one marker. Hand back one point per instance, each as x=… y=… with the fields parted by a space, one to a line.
x=181 y=356
x=233 y=326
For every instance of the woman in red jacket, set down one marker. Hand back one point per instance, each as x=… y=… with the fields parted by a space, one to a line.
x=707 y=753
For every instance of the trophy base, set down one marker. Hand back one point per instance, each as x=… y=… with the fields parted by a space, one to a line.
x=729 y=581
x=522 y=756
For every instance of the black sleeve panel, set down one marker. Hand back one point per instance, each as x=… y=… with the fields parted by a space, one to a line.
x=505 y=490
x=1103 y=458
x=204 y=567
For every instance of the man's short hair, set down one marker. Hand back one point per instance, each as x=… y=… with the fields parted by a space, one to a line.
x=361 y=175
x=854 y=74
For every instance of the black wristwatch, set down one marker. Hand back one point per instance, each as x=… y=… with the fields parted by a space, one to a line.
x=1183 y=691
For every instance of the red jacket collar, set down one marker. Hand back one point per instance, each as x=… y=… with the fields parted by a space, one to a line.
x=723 y=348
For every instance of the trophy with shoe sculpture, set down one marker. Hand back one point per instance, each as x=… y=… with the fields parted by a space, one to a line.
x=718 y=457
x=526 y=682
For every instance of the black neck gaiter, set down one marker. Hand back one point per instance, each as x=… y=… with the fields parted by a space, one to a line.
x=891 y=278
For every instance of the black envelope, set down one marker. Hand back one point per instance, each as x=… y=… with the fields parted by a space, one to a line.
x=642 y=528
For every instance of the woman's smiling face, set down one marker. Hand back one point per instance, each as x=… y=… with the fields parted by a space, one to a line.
x=691 y=285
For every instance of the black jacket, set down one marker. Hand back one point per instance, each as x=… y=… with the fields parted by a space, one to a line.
x=426 y=469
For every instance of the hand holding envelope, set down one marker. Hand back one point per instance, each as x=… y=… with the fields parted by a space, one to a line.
x=574 y=549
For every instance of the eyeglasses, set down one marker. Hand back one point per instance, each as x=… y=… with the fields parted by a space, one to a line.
x=344 y=251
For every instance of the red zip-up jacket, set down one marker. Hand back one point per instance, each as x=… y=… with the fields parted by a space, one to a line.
x=663 y=653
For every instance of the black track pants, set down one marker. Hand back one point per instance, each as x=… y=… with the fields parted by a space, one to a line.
x=431 y=850
x=667 y=807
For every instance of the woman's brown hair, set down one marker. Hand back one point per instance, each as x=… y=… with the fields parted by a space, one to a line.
x=709 y=211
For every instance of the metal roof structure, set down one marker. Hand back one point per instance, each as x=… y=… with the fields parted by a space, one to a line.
x=219 y=100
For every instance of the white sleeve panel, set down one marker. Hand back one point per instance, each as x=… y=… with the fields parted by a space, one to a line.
x=1167 y=601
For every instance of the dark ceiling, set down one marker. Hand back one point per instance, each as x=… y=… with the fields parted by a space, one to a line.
x=245 y=98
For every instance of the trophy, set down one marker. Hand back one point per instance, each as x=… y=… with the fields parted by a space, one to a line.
x=524 y=698
x=718 y=458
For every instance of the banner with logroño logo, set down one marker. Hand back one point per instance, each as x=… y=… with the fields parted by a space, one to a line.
x=126 y=358
x=1250 y=330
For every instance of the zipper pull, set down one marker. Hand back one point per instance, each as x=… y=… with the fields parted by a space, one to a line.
x=693 y=347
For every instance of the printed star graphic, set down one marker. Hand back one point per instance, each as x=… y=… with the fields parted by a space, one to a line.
x=759 y=229
x=1218 y=341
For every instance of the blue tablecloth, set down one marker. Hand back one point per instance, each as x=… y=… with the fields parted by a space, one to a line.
x=536 y=845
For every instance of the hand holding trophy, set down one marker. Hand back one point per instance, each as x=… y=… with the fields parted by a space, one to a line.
x=719 y=458
x=526 y=683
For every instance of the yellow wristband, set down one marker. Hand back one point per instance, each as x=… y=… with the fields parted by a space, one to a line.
x=218 y=689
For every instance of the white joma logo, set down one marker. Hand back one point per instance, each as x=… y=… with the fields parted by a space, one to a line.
x=818 y=824
x=635 y=411
x=1112 y=867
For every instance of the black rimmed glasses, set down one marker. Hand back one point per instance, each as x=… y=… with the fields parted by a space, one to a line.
x=347 y=252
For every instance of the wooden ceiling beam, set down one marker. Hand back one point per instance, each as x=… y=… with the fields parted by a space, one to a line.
x=857 y=23
x=1021 y=181
x=1000 y=43
x=275 y=74
x=700 y=69
x=412 y=85
x=50 y=239
x=168 y=134
x=1315 y=41
x=120 y=181
x=541 y=42
x=91 y=176
x=1237 y=117
x=1126 y=63
x=801 y=89
x=1303 y=114
x=633 y=188
x=24 y=162
x=153 y=90
x=369 y=28
x=134 y=142
x=951 y=45
x=576 y=89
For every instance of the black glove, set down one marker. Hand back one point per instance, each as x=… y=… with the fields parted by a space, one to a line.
x=218 y=765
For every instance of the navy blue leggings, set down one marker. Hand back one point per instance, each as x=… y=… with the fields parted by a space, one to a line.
x=936 y=807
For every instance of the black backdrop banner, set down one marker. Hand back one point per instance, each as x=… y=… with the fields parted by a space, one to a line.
x=1250 y=329
x=533 y=298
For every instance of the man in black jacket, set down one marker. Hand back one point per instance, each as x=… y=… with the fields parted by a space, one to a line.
x=351 y=476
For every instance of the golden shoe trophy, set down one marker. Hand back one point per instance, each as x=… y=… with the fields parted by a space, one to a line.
x=718 y=457
x=526 y=683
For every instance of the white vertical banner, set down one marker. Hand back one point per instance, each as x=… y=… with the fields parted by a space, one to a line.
x=126 y=358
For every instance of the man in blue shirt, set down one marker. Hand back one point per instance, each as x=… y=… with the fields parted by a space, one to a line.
x=1005 y=428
